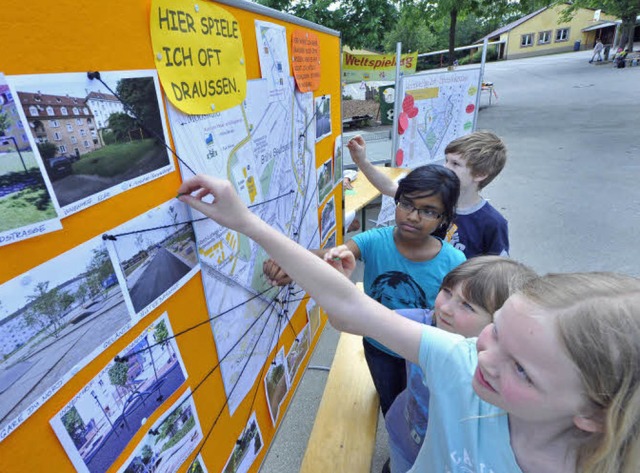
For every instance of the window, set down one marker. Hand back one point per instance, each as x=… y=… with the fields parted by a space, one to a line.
x=78 y=121
x=526 y=40
x=56 y=136
x=83 y=133
x=544 y=37
x=86 y=144
x=63 y=110
x=50 y=111
x=74 y=140
x=33 y=111
x=69 y=127
x=54 y=123
x=62 y=148
x=85 y=110
x=76 y=111
x=562 y=34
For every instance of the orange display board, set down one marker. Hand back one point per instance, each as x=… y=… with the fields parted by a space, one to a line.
x=150 y=392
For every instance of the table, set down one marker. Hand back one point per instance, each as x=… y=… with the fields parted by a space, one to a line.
x=364 y=192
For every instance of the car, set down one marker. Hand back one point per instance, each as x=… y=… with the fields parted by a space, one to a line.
x=109 y=281
x=59 y=167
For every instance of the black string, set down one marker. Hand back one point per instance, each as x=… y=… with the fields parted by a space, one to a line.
x=96 y=75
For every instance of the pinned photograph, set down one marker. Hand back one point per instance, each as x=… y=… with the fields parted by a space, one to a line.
x=337 y=160
x=313 y=316
x=327 y=218
x=297 y=352
x=330 y=242
x=169 y=442
x=95 y=141
x=247 y=448
x=54 y=319
x=26 y=206
x=154 y=255
x=324 y=179
x=105 y=415
x=323 y=116
x=197 y=466
x=276 y=384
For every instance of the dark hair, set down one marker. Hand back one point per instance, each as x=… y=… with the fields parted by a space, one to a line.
x=433 y=179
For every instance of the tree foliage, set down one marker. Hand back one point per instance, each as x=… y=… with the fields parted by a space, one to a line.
x=140 y=94
x=98 y=269
x=47 y=150
x=74 y=425
x=119 y=374
x=4 y=122
x=47 y=308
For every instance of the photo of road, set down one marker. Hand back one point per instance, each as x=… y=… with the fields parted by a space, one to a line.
x=323 y=116
x=61 y=316
x=154 y=252
x=100 y=421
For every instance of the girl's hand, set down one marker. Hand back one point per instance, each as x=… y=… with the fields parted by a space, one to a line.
x=342 y=259
x=226 y=209
x=358 y=149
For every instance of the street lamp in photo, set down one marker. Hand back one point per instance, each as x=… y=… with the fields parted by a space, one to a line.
x=5 y=142
x=95 y=396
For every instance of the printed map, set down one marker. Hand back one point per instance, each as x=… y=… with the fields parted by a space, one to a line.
x=267 y=150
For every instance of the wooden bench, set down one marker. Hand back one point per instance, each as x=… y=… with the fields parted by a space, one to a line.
x=343 y=439
x=356 y=121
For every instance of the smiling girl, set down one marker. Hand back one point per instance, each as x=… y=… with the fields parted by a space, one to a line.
x=552 y=385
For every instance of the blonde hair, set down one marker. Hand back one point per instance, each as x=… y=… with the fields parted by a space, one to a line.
x=598 y=316
x=488 y=281
x=484 y=153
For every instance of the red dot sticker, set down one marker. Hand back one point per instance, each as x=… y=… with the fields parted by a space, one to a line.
x=399 y=157
x=413 y=112
x=407 y=103
x=470 y=108
x=403 y=123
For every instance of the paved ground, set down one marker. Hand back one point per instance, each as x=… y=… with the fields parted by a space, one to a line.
x=569 y=192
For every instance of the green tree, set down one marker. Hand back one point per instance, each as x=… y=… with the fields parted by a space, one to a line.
x=168 y=427
x=140 y=95
x=75 y=426
x=47 y=308
x=98 y=269
x=47 y=150
x=626 y=10
x=146 y=454
x=4 y=122
x=121 y=124
x=119 y=375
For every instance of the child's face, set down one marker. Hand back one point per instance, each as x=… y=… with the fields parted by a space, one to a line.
x=412 y=226
x=455 y=314
x=456 y=163
x=523 y=368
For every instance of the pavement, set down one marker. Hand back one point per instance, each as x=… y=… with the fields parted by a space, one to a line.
x=569 y=192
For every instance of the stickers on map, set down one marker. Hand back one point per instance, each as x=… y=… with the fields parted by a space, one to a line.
x=27 y=204
x=267 y=150
x=436 y=109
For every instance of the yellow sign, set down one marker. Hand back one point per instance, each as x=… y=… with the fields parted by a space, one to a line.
x=426 y=93
x=199 y=55
x=359 y=67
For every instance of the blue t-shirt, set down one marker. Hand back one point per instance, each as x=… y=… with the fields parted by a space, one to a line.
x=407 y=418
x=397 y=282
x=465 y=433
x=479 y=230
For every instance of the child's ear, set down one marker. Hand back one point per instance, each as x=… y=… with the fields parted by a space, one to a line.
x=480 y=177
x=591 y=424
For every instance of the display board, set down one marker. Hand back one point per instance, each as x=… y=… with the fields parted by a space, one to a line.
x=437 y=108
x=135 y=334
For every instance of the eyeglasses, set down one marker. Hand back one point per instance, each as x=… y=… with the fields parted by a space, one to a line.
x=427 y=214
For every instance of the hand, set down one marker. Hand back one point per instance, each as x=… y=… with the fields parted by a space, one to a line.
x=358 y=150
x=346 y=183
x=274 y=273
x=342 y=259
x=226 y=209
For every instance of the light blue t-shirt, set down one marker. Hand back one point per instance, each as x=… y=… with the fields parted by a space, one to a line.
x=397 y=282
x=465 y=434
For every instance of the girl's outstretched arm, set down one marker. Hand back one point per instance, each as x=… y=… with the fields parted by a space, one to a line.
x=349 y=309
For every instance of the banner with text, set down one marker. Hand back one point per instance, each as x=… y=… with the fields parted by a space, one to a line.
x=366 y=67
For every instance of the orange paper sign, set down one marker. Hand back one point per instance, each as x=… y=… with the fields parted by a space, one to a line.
x=306 y=60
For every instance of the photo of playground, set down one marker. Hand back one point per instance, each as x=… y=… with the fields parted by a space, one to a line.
x=154 y=252
x=54 y=320
x=24 y=197
x=276 y=384
x=100 y=421
x=89 y=139
x=169 y=442
x=247 y=448
x=297 y=352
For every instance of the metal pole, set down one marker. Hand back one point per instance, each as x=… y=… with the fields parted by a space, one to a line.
x=15 y=143
x=396 y=106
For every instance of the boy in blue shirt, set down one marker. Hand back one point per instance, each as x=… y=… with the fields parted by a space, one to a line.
x=477 y=158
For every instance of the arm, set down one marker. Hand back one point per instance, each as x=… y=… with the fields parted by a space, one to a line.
x=358 y=150
x=349 y=309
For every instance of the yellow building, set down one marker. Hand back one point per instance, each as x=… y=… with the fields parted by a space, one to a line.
x=543 y=32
